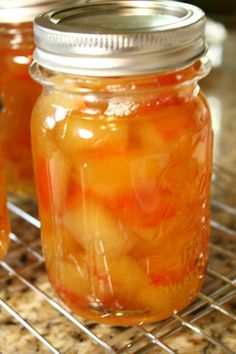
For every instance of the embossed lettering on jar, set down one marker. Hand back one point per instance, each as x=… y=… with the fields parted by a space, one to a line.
x=122 y=145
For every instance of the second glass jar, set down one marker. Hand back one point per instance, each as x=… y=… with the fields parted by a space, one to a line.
x=18 y=92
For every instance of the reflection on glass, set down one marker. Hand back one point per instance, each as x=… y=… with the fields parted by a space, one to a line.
x=216 y=112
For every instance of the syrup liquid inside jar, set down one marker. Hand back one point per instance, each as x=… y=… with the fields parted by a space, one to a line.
x=4 y=220
x=122 y=146
x=18 y=91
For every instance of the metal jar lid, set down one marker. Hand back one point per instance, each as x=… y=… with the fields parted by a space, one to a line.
x=120 y=38
x=19 y=11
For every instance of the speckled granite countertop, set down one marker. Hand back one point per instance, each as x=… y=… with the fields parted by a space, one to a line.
x=220 y=87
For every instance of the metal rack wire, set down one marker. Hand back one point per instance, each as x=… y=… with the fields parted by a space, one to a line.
x=206 y=326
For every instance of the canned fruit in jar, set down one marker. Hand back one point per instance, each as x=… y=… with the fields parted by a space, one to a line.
x=124 y=205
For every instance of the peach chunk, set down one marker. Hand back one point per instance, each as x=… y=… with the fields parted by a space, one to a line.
x=94 y=227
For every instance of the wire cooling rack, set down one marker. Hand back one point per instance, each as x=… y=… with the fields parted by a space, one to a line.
x=33 y=320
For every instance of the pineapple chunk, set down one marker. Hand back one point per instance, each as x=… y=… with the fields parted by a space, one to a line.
x=122 y=278
x=165 y=300
x=79 y=133
x=146 y=136
x=51 y=108
x=127 y=275
x=94 y=227
x=106 y=177
x=73 y=278
x=131 y=283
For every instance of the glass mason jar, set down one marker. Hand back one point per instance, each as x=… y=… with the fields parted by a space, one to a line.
x=122 y=146
x=4 y=220
x=18 y=91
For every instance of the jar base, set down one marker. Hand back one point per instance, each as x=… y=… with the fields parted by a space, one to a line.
x=119 y=317
x=123 y=318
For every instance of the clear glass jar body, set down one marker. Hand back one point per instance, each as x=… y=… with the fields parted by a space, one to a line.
x=4 y=220
x=18 y=93
x=123 y=169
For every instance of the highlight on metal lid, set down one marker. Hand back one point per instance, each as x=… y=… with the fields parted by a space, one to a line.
x=120 y=37
x=19 y=11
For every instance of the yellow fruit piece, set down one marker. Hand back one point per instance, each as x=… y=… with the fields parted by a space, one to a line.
x=144 y=235
x=79 y=132
x=122 y=278
x=164 y=300
x=73 y=277
x=146 y=178
x=146 y=136
x=132 y=286
x=94 y=227
x=50 y=108
x=127 y=275
x=108 y=176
